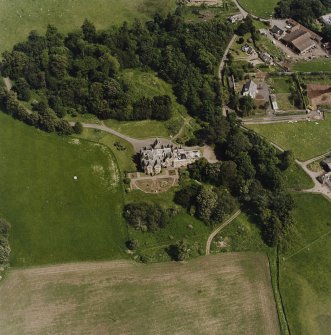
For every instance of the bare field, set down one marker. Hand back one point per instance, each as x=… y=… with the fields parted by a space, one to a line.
x=319 y=94
x=221 y=294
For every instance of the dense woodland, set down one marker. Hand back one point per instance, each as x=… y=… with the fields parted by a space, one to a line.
x=79 y=73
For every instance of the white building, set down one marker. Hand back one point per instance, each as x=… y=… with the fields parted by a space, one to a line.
x=250 y=89
x=236 y=18
x=326 y=19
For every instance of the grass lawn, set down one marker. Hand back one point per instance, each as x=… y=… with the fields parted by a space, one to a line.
x=19 y=17
x=284 y=102
x=305 y=139
x=261 y=8
x=316 y=65
x=280 y=84
x=306 y=271
x=297 y=179
x=220 y=294
x=55 y=218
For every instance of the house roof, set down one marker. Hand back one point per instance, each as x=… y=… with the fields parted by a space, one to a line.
x=300 y=39
x=250 y=86
x=276 y=30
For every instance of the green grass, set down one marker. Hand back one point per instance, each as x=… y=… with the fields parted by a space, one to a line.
x=55 y=218
x=316 y=65
x=305 y=139
x=19 y=17
x=306 y=268
x=280 y=84
x=261 y=8
x=296 y=178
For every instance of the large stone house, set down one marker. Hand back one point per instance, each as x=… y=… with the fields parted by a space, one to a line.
x=157 y=157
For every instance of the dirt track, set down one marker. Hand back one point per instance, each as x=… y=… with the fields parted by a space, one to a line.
x=223 y=294
x=319 y=94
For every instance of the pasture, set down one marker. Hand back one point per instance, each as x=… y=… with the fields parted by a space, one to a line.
x=19 y=17
x=305 y=268
x=261 y=8
x=305 y=139
x=54 y=217
x=316 y=65
x=221 y=294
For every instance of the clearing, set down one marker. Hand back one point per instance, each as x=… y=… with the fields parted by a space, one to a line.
x=305 y=139
x=19 y=17
x=54 y=217
x=305 y=269
x=222 y=294
x=261 y=8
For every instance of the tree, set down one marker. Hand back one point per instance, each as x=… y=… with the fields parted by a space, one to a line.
x=206 y=203
x=23 y=89
x=132 y=244
x=180 y=251
x=246 y=106
x=89 y=31
x=78 y=128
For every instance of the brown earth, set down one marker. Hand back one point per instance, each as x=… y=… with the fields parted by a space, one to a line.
x=319 y=94
x=221 y=294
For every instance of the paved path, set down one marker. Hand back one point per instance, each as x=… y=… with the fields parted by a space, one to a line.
x=217 y=230
x=8 y=83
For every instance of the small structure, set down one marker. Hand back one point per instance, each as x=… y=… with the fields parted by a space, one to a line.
x=266 y=58
x=326 y=163
x=248 y=49
x=326 y=19
x=325 y=179
x=273 y=101
x=250 y=89
x=157 y=156
x=236 y=18
x=277 y=32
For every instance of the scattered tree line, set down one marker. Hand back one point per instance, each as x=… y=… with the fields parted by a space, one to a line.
x=4 y=244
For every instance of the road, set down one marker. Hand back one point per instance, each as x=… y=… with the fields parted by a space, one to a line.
x=222 y=63
x=218 y=229
x=245 y=13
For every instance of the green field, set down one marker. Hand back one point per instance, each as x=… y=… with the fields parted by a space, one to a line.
x=305 y=139
x=54 y=217
x=261 y=8
x=317 y=65
x=296 y=178
x=19 y=17
x=222 y=294
x=306 y=268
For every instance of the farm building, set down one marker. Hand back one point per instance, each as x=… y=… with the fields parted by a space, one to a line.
x=250 y=89
x=326 y=163
x=158 y=156
x=299 y=40
x=277 y=32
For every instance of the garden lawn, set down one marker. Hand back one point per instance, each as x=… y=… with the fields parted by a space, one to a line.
x=19 y=17
x=305 y=269
x=323 y=65
x=305 y=139
x=54 y=217
x=296 y=178
x=261 y=8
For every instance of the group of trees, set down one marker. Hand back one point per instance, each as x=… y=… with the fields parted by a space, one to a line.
x=146 y=216
x=303 y=11
x=79 y=72
x=4 y=244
